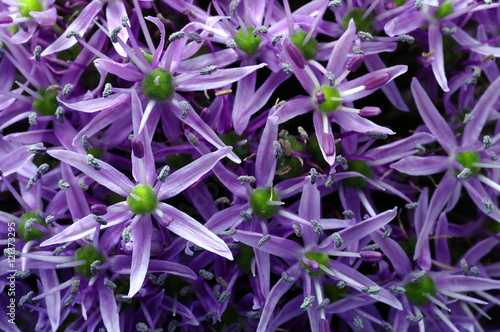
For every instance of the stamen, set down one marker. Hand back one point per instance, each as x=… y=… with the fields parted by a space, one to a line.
x=436 y=301
x=320 y=98
x=37 y=53
x=348 y=213
x=137 y=148
x=487 y=141
x=419 y=275
x=228 y=233
x=371 y=247
x=464 y=174
x=73 y=33
x=57 y=251
x=100 y=220
x=216 y=291
x=63 y=185
x=308 y=302
x=418 y=4
x=263 y=240
x=489 y=205
x=259 y=31
x=372 y=290
x=224 y=296
x=286 y=68
x=337 y=239
x=108 y=283
x=474 y=271
x=127 y=234
x=93 y=267
x=85 y=143
x=92 y=162
x=184 y=109
x=369 y=111
x=22 y=274
x=420 y=148
x=60 y=114
x=208 y=70
x=195 y=36
x=375 y=135
x=114 y=34
x=248 y=217
x=335 y=4
x=407 y=39
x=317 y=227
x=206 y=274
x=176 y=36
x=66 y=303
x=253 y=314
x=376 y=81
x=193 y=140
x=232 y=7
x=414 y=319
x=276 y=39
x=303 y=134
x=32 y=119
x=323 y=304
x=98 y=209
x=397 y=289
x=50 y=219
x=297 y=230
x=123 y=298
x=388 y=327
x=277 y=151
x=411 y=206
x=44 y=168
x=371 y=256
x=108 y=89
x=163 y=174
x=341 y=284
x=464 y=266
x=314 y=176
x=38 y=151
x=330 y=180
x=124 y=21
x=230 y=43
x=222 y=200
x=493 y=156
x=28 y=298
x=357 y=50
x=287 y=278
x=387 y=232
x=448 y=32
x=467 y=118
x=365 y=36
x=161 y=280
x=246 y=179
x=296 y=56
x=67 y=89
x=74 y=286
x=141 y=327
x=358 y=323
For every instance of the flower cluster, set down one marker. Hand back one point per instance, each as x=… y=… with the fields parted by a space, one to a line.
x=239 y=165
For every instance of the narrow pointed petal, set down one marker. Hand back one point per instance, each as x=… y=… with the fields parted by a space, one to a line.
x=98 y=104
x=191 y=230
x=190 y=174
x=276 y=245
x=126 y=71
x=53 y=301
x=77 y=203
x=326 y=141
x=115 y=10
x=122 y=264
x=338 y=57
x=465 y=284
x=415 y=165
x=265 y=165
x=464 y=39
x=108 y=307
x=433 y=120
x=107 y=176
x=141 y=236
x=436 y=44
x=355 y=122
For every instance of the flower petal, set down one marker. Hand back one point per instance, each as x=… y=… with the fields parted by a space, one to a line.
x=142 y=229
x=414 y=165
x=108 y=307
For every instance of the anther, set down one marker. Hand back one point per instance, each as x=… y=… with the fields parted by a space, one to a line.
x=216 y=291
x=92 y=162
x=124 y=21
x=465 y=267
x=138 y=148
x=93 y=267
x=365 y=36
x=308 y=302
x=62 y=185
x=12 y=252
x=141 y=327
x=248 y=217
x=369 y=111
x=468 y=118
x=246 y=179
x=222 y=200
x=476 y=71
x=57 y=251
x=223 y=92
x=375 y=135
x=39 y=214
x=493 y=156
x=335 y=4
x=411 y=206
x=419 y=275
x=195 y=36
x=184 y=109
x=60 y=114
x=303 y=134
x=296 y=56
x=488 y=203
x=108 y=89
x=329 y=182
x=331 y=79
x=357 y=50
x=297 y=230
x=253 y=314
x=85 y=143
x=474 y=271
x=328 y=144
x=418 y=4
x=337 y=240
x=37 y=53
x=186 y=290
x=371 y=247
x=22 y=274
x=230 y=43
x=38 y=151
x=100 y=220
x=224 y=296
x=320 y=98
x=314 y=176
x=98 y=209
x=73 y=33
x=263 y=240
x=50 y=219
x=407 y=39
x=387 y=232
x=42 y=169
x=317 y=227
x=341 y=160
x=287 y=278
x=151 y=277
x=471 y=81
x=376 y=81
x=286 y=68
x=464 y=174
x=206 y=274
x=28 y=298
x=114 y=34
x=228 y=233
x=276 y=39
x=123 y=298
x=341 y=284
x=358 y=323
x=323 y=304
x=397 y=289
x=163 y=174
x=414 y=319
x=388 y=327
x=348 y=213
x=66 y=303
x=277 y=151
x=161 y=280
x=208 y=70
x=193 y=140
x=221 y=282
x=371 y=256
x=32 y=119
x=420 y=148
x=175 y=36
x=232 y=7
x=487 y=141
x=259 y=31
x=372 y=290
x=448 y=32
x=127 y=234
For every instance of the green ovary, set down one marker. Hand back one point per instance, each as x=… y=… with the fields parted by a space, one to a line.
x=247 y=42
x=27 y=6
x=444 y=10
x=142 y=200
x=414 y=291
x=258 y=201
x=468 y=159
x=332 y=100
x=320 y=257
x=89 y=254
x=310 y=49
x=365 y=25
x=47 y=105
x=35 y=234
x=159 y=85
x=361 y=167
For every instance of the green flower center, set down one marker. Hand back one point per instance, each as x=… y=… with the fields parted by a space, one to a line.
x=332 y=100
x=27 y=6
x=89 y=254
x=247 y=43
x=362 y=24
x=414 y=291
x=35 y=234
x=361 y=167
x=47 y=105
x=310 y=49
x=142 y=199
x=320 y=257
x=467 y=159
x=444 y=10
x=259 y=199
x=159 y=85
